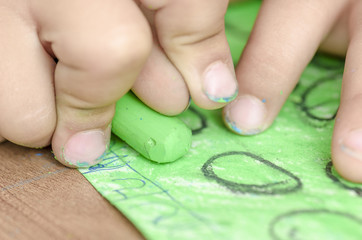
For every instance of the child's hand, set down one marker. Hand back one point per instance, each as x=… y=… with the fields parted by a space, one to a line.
x=190 y=56
x=285 y=38
x=101 y=47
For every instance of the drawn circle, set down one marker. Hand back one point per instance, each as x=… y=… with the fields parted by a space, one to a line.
x=343 y=183
x=327 y=62
x=316 y=224
x=322 y=107
x=286 y=183
x=194 y=120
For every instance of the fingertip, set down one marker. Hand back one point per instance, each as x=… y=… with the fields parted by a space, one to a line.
x=84 y=149
x=181 y=107
x=217 y=86
x=347 y=155
x=219 y=83
x=246 y=115
x=199 y=49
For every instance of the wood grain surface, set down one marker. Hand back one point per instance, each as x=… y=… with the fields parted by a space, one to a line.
x=42 y=199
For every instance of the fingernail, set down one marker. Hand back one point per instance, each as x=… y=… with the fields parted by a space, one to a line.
x=86 y=148
x=219 y=83
x=352 y=144
x=245 y=115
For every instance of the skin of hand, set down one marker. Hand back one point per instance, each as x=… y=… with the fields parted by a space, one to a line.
x=284 y=39
x=65 y=64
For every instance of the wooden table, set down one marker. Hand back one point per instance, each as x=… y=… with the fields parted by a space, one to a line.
x=42 y=199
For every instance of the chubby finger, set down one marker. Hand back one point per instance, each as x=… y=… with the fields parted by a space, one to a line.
x=27 y=106
x=160 y=85
x=284 y=39
x=192 y=35
x=347 y=136
x=101 y=50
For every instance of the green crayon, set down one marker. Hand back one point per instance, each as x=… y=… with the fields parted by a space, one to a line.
x=157 y=137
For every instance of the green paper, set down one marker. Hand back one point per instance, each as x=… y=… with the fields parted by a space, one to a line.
x=155 y=136
x=277 y=185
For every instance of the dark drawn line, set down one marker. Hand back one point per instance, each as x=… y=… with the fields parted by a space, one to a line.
x=103 y=166
x=136 y=196
x=110 y=158
x=297 y=86
x=122 y=194
x=208 y=172
x=129 y=188
x=306 y=109
x=161 y=217
x=293 y=231
x=202 y=119
x=319 y=104
x=317 y=62
x=261 y=186
x=199 y=218
x=335 y=179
